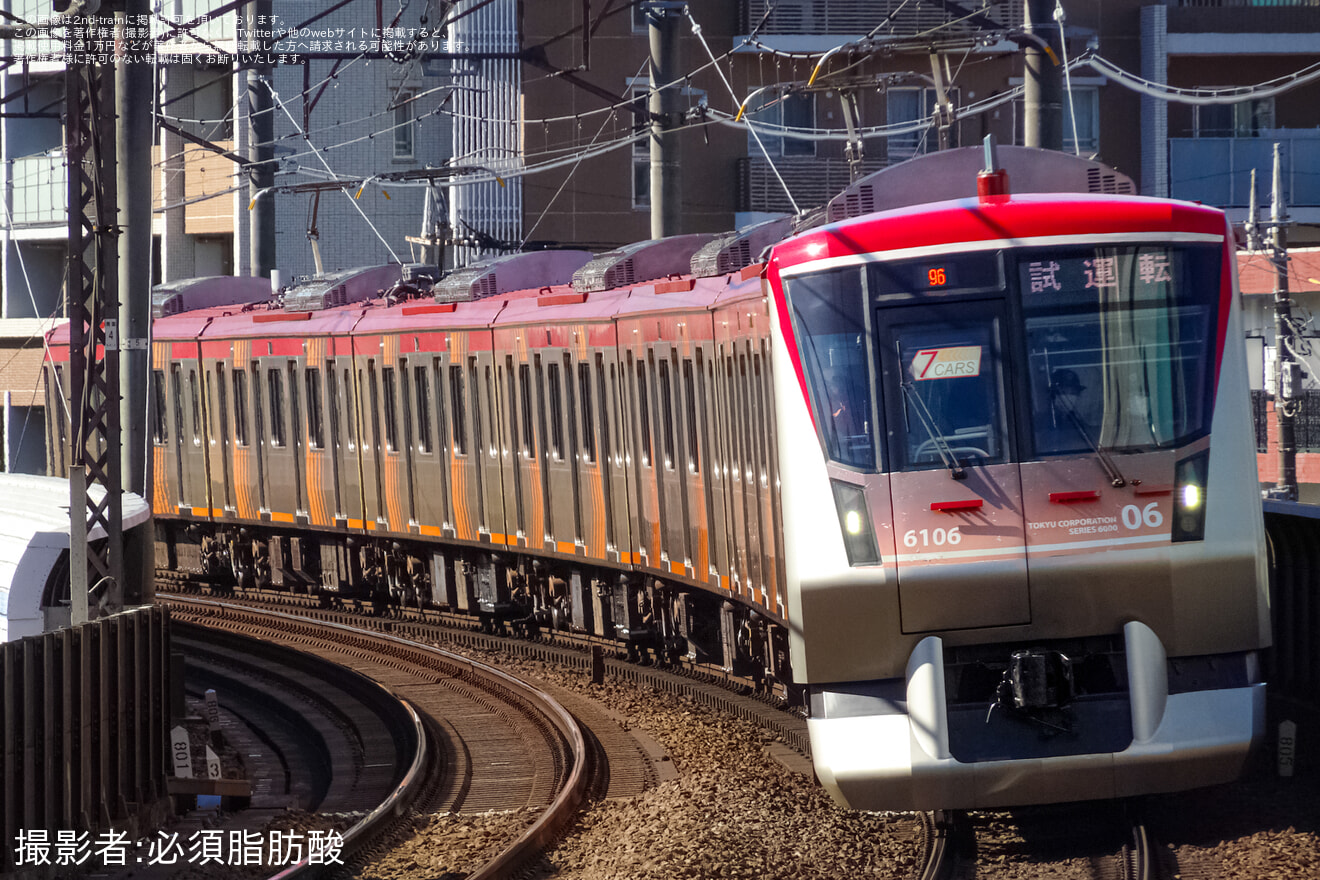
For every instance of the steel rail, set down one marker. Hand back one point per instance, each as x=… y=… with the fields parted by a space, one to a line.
x=541 y=834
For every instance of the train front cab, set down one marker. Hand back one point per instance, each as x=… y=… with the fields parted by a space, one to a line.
x=1015 y=591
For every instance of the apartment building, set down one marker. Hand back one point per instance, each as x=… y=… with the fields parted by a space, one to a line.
x=337 y=112
x=1198 y=152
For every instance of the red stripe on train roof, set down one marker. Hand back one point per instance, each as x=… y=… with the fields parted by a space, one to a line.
x=1023 y=216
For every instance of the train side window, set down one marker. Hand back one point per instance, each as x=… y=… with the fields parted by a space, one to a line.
x=830 y=321
x=585 y=410
x=391 y=409
x=259 y=422
x=762 y=423
x=745 y=423
x=160 y=432
x=332 y=403
x=196 y=398
x=525 y=387
x=239 y=378
x=350 y=409
x=315 y=422
x=373 y=395
x=614 y=407
x=605 y=411
x=295 y=408
x=690 y=414
x=457 y=409
x=223 y=408
x=422 y=394
x=643 y=412
x=666 y=413
x=478 y=437
x=512 y=393
x=275 y=383
x=710 y=418
x=540 y=402
x=60 y=408
x=556 y=412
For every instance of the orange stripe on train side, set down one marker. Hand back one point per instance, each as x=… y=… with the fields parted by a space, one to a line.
x=499 y=539
x=433 y=531
x=677 y=568
x=566 y=547
x=276 y=516
x=355 y=524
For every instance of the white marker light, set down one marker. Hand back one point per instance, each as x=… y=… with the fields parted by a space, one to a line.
x=1191 y=496
x=853 y=522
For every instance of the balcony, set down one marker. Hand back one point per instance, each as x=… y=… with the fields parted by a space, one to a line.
x=858 y=17
x=813 y=182
x=1217 y=171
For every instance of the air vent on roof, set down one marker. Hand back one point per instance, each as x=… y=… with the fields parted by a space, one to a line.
x=733 y=251
x=204 y=293
x=1102 y=180
x=951 y=174
x=341 y=288
x=640 y=261
x=513 y=272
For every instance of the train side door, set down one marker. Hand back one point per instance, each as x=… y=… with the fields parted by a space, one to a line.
x=321 y=493
x=283 y=440
x=957 y=494
x=189 y=437
x=560 y=468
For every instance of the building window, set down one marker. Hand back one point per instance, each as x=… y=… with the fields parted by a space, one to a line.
x=641 y=151
x=1243 y=119
x=404 y=126
x=1083 y=105
x=915 y=105
x=772 y=113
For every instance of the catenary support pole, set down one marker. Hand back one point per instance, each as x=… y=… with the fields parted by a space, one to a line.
x=664 y=103
x=1043 y=79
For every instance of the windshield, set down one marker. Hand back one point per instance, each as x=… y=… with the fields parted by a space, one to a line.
x=949 y=372
x=1120 y=345
x=829 y=320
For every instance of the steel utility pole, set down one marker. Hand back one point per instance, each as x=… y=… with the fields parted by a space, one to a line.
x=92 y=300
x=666 y=189
x=261 y=139
x=1042 y=95
x=133 y=104
x=1287 y=371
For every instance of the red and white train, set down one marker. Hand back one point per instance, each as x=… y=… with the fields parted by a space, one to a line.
x=943 y=468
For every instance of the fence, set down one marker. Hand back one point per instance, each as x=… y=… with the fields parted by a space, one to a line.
x=84 y=716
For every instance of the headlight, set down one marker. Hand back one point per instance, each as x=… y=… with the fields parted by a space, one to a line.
x=855 y=521
x=1189 y=497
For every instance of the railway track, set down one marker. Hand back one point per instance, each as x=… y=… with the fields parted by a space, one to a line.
x=495 y=744
x=624 y=764
x=1088 y=841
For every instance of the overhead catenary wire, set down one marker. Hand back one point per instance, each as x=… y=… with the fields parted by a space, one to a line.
x=696 y=29
x=276 y=98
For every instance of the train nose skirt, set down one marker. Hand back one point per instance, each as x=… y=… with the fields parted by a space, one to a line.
x=920 y=754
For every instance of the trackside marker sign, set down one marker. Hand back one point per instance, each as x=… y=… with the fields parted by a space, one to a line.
x=947 y=363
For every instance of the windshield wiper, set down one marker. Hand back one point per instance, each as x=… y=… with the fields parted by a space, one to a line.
x=1111 y=470
x=937 y=437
